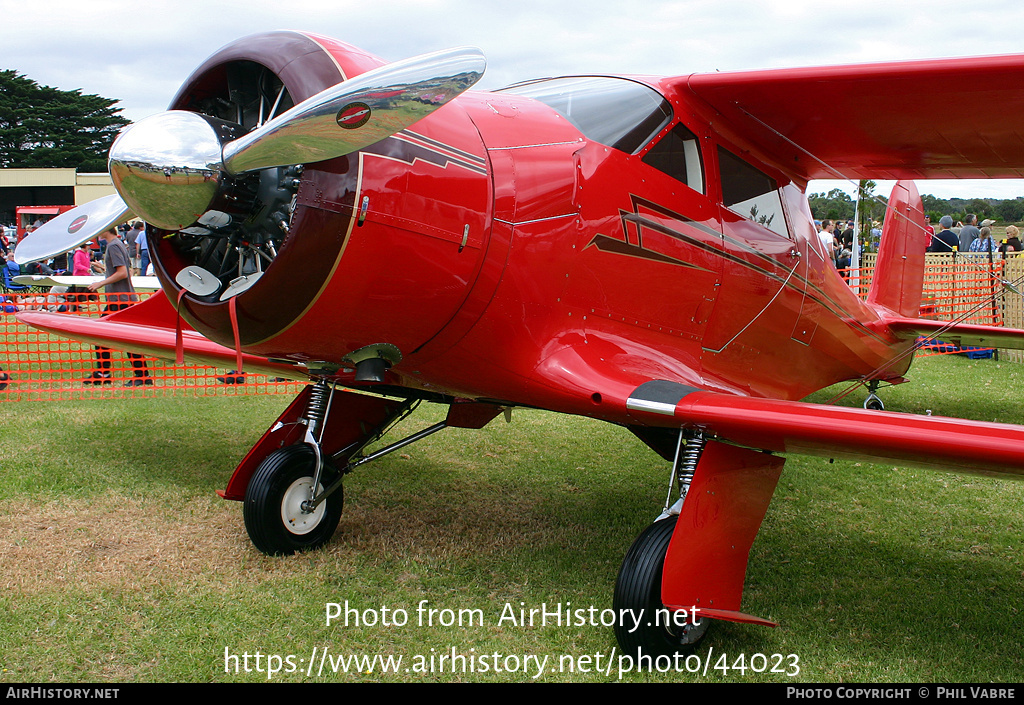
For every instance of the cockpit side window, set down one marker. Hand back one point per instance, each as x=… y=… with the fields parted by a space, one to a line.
x=750 y=193
x=678 y=155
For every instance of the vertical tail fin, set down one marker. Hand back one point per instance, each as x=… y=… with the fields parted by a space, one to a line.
x=899 y=269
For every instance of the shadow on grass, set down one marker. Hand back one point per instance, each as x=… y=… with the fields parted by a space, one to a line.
x=874 y=576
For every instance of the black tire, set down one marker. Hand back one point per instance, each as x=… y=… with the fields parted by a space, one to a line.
x=638 y=587
x=278 y=480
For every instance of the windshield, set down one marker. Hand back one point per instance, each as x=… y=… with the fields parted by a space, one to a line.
x=617 y=112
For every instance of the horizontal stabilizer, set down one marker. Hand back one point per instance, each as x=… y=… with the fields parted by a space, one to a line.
x=960 y=334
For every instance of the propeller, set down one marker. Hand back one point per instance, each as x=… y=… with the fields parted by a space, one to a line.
x=169 y=168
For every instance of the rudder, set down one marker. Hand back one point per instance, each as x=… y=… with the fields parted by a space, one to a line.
x=899 y=269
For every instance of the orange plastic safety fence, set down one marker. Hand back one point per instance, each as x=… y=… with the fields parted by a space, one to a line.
x=965 y=288
x=37 y=366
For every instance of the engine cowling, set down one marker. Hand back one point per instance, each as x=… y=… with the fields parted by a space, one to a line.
x=317 y=262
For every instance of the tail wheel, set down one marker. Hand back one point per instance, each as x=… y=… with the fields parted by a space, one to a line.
x=274 y=517
x=638 y=589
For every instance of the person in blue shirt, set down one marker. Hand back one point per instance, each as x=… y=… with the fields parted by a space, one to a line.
x=143 y=245
x=984 y=241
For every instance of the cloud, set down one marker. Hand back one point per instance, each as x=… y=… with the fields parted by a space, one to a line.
x=139 y=53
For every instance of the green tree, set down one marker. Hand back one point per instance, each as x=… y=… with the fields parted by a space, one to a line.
x=1011 y=211
x=867 y=205
x=936 y=207
x=833 y=205
x=979 y=207
x=46 y=127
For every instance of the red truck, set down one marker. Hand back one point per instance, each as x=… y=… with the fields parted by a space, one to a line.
x=29 y=215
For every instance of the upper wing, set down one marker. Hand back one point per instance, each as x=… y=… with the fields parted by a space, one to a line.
x=876 y=121
x=833 y=431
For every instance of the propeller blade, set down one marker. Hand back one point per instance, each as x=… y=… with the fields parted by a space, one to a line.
x=71 y=228
x=358 y=112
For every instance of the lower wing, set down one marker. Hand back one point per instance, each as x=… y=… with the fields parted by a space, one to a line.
x=763 y=424
x=150 y=328
x=833 y=431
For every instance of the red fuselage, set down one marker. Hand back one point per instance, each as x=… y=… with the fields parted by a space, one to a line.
x=508 y=255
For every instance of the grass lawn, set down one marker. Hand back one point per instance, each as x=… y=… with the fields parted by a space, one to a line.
x=119 y=562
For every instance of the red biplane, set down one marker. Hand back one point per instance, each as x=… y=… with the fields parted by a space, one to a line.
x=633 y=249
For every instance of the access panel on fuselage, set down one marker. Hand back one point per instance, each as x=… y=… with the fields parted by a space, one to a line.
x=761 y=290
x=649 y=248
x=419 y=223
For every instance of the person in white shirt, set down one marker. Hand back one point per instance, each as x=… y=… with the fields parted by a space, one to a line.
x=828 y=239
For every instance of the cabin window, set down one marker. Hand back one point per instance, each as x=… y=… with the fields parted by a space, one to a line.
x=617 y=112
x=678 y=155
x=750 y=193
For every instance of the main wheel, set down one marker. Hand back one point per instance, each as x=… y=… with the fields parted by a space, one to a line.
x=638 y=589
x=273 y=513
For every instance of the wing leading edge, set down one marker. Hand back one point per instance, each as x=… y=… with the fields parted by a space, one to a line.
x=149 y=328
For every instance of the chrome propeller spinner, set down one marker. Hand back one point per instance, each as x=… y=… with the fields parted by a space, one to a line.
x=168 y=168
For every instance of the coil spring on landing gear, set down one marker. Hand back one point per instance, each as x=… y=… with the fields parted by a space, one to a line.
x=316 y=410
x=689 y=448
x=316 y=418
x=688 y=462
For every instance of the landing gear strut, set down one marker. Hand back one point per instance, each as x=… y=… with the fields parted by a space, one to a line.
x=689 y=567
x=291 y=481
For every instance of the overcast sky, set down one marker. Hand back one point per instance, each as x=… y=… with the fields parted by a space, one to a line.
x=139 y=53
